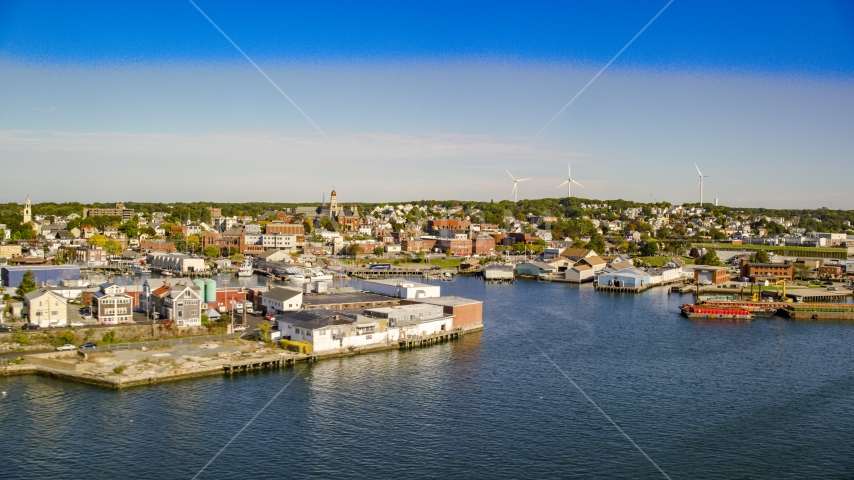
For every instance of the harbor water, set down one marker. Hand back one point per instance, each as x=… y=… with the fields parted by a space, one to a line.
x=771 y=398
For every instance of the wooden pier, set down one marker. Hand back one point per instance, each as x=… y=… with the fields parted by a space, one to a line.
x=266 y=362
x=429 y=340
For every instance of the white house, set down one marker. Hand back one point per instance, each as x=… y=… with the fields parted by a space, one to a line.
x=402 y=288
x=46 y=308
x=281 y=299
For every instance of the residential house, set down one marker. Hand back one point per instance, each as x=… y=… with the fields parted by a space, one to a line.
x=111 y=305
x=182 y=303
x=46 y=308
x=595 y=262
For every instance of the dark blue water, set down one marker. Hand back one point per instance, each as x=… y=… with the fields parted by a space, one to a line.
x=768 y=399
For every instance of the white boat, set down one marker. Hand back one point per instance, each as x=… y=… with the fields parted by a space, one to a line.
x=139 y=269
x=306 y=275
x=245 y=270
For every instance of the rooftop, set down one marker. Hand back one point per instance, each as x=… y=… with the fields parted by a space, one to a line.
x=339 y=298
x=447 y=301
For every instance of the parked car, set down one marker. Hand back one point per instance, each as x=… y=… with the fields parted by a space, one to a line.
x=78 y=324
x=828 y=282
x=832 y=289
x=30 y=326
x=67 y=346
x=240 y=328
x=88 y=345
x=270 y=316
x=5 y=328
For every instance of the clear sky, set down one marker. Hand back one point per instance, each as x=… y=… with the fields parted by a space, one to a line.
x=147 y=101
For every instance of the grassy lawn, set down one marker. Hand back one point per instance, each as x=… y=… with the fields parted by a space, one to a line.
x=446 y=262
x=729 y=246
x=660 y=261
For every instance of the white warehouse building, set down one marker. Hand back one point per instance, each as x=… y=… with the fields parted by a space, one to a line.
x=401 y=288
x=178 y=262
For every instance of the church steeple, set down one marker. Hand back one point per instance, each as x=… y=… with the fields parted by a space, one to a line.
x=28 y=212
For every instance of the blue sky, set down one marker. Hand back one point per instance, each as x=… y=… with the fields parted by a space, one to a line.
x=428 y=100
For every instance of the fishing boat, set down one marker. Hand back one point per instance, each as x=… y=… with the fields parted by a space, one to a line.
x=712 y=313
x=245 y=270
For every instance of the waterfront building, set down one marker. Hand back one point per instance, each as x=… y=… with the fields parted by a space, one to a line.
x=51 y=275
x=348 y=301
x=577 y=254
x=178 y=262
x=708 y=274
x=46 y=308
x=536 y=269
x=579 y=273
x=401 y=288
x=330 y=331
x=627 y=277
x=92 y=256
x=467 y=313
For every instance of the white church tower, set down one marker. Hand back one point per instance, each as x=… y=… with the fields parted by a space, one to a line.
x=28 y=212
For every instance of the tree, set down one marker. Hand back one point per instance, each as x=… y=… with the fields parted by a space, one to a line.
x=709 y=258
x=420 y=257
x=193 y=243
x=596 y=243
x=309 y=227
x=113 y=247
x=801 y=270
x=180 y=242
x=762 y=257
x=650 y=248
x=210 y=251
x=236 y=257
x=378 y=251
x=97 y=240
x=28 y=284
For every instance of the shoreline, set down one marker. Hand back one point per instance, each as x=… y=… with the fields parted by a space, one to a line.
x=223 y=367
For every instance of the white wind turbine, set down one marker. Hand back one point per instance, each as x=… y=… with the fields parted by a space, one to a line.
x=701 y=183
x=515 y=191
x=569 y=181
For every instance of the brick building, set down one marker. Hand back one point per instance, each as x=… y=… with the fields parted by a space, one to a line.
x=456 y=246
x=767 y=271
x=483 y=245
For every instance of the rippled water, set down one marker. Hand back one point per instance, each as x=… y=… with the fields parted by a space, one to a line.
x=768 y=399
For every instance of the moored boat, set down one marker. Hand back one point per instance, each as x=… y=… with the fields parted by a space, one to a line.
x=704 y=312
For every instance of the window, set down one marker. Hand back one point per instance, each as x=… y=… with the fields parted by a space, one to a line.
x=180 y=313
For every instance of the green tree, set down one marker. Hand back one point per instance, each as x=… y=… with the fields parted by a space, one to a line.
x=650 y=248
x=420 y=256
x=709 y=258
x=762 y=257
x=27 y=285
x=596 y=243
x=180 y=242
x=113 y=247
x=237 y=257
x=378 y=251
x=211 y=252
x=309 y=227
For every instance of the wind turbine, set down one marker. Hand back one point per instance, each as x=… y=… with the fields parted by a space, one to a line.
x=569 y=181
x=701 y=183
x=515 y=191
